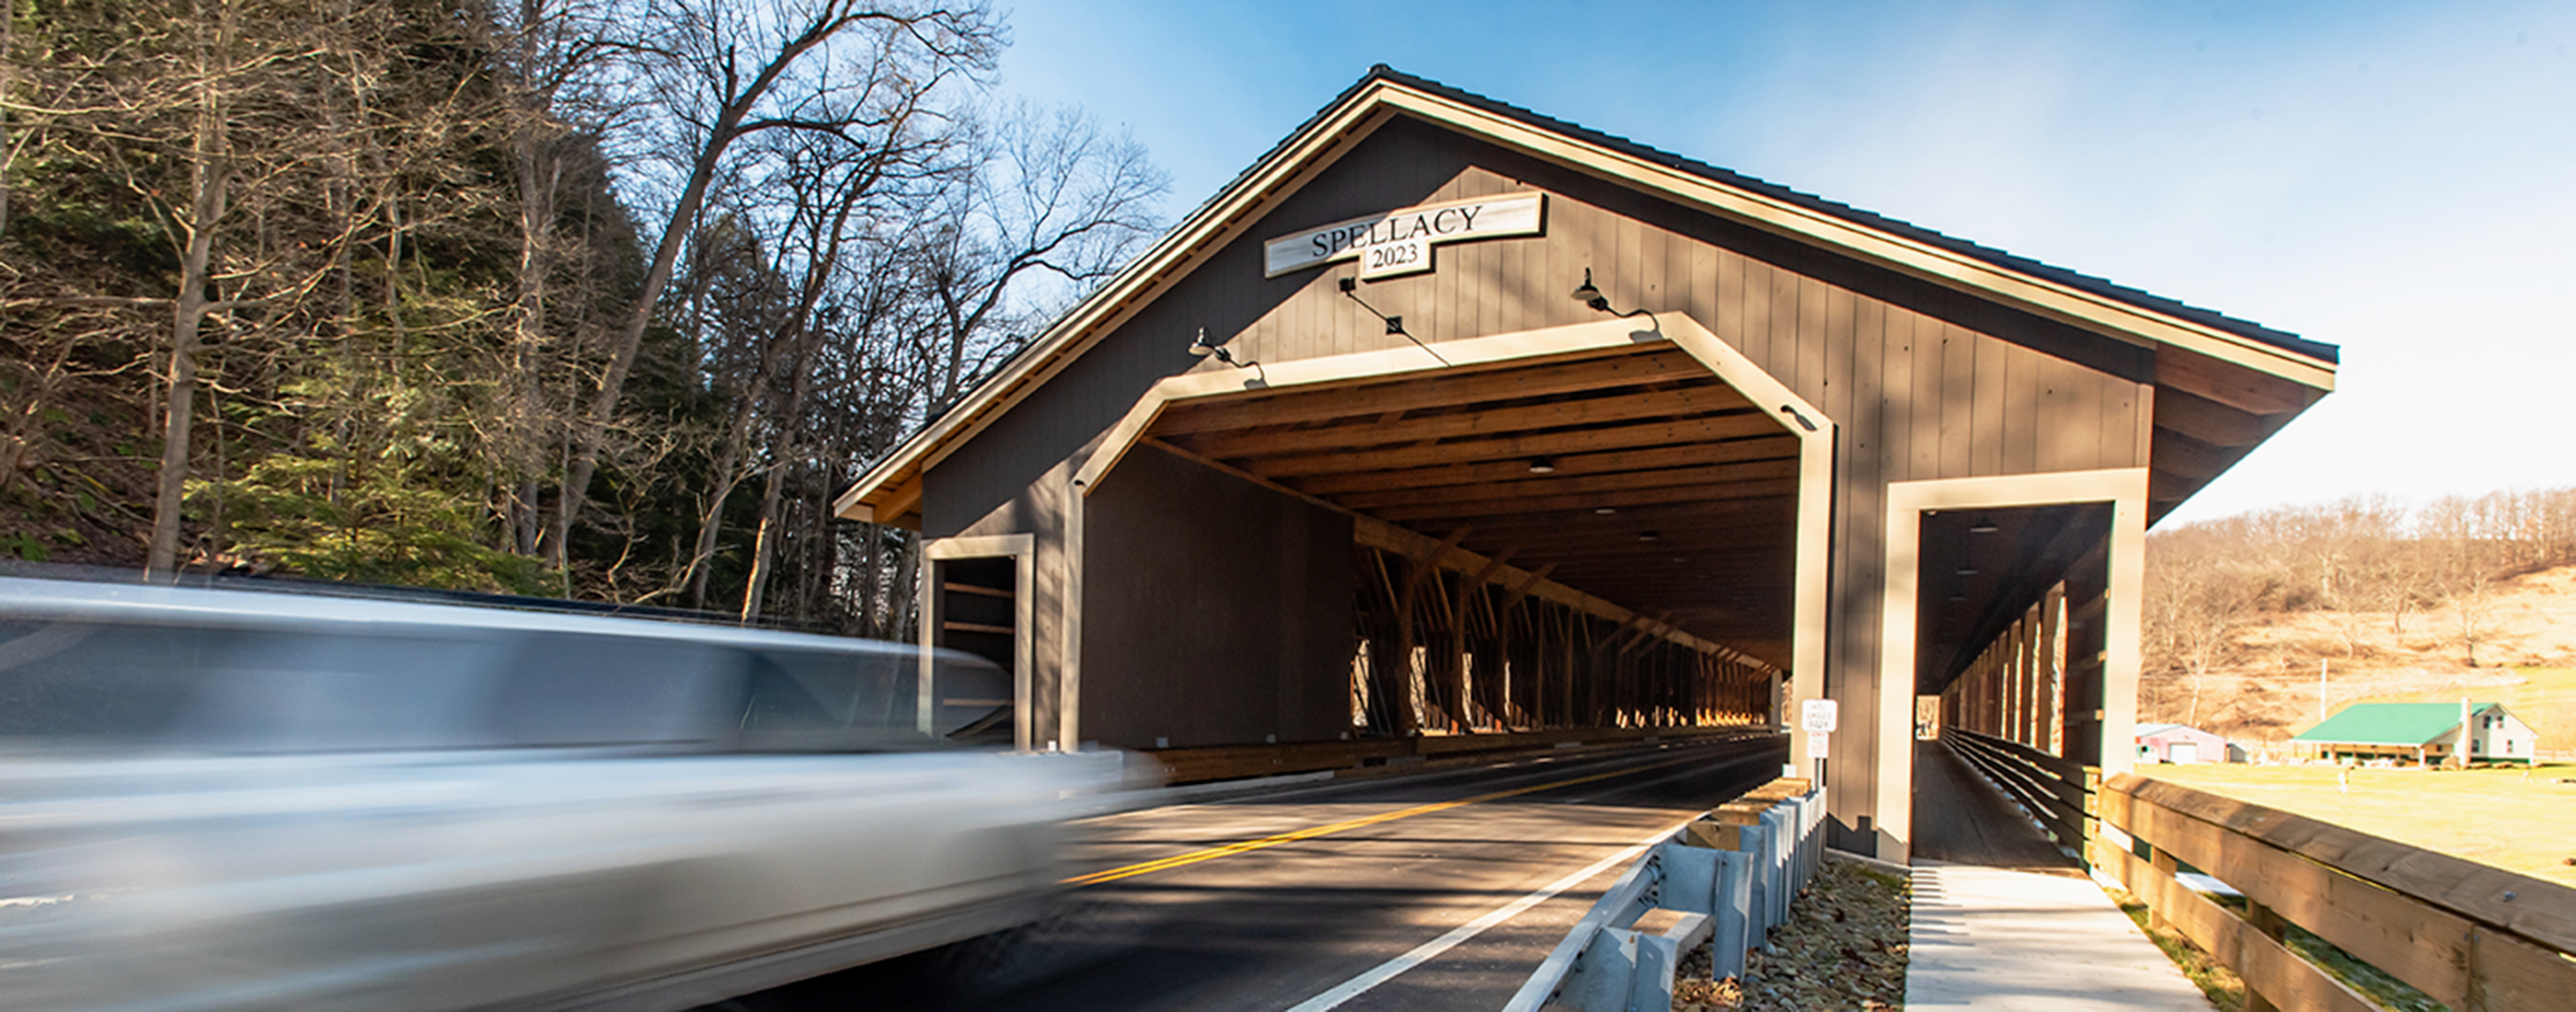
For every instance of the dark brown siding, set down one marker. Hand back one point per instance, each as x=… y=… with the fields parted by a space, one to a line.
x=1925 y=382
x=1214 y=611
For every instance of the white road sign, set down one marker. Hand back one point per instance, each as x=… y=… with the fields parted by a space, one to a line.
x=1820 y=746
x=1817 y=716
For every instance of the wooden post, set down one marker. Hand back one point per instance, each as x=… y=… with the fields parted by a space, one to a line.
x=2163 y=862
x=2274 y=928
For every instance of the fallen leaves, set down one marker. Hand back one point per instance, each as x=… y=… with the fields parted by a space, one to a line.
x=1843 y=948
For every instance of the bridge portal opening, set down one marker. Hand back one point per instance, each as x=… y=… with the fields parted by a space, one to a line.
x=1594 y=531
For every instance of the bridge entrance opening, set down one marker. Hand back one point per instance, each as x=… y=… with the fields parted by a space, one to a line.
x=2011 y=615
x=977 y=601
x=1595 y=527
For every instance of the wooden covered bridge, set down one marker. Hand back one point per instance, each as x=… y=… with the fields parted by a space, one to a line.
x=1447 y=419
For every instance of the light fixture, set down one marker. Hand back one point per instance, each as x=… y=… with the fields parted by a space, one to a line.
x=1200 y=347
x=1648 y=535
x=1985 y=525
x=1967 y=570
x=1591 y=296
x=1803 y=423
x=1603 y=511
x=1542 y=465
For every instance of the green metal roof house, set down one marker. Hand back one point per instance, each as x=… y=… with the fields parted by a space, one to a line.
x=2428 y=731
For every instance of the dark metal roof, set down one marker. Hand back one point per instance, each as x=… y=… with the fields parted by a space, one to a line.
x=2023 y=265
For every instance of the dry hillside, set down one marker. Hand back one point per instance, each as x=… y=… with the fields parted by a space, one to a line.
x=2524 y=629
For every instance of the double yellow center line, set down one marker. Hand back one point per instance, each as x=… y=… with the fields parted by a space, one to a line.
x=1311 y=832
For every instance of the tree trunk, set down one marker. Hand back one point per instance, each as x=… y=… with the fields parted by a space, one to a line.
x=209 y=182
x=539 y=177
x=782 y=460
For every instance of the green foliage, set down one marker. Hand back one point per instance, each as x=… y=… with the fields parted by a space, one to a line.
x=25 y=546
x=367 y=520
x=380 y=489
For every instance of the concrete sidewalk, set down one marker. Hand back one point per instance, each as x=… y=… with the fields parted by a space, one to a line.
x=1997 y=938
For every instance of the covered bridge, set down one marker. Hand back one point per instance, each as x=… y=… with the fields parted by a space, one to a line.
x=1447 y=417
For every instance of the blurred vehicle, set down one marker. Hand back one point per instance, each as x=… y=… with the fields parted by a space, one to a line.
x=220 y=799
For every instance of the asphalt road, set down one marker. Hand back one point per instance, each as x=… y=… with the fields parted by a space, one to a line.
x=1267 y=902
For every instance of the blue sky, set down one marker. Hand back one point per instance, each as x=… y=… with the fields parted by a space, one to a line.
x=2396 y=179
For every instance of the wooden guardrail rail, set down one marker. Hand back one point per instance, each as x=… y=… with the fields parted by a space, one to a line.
x=2059 y=792
x=2474 y=937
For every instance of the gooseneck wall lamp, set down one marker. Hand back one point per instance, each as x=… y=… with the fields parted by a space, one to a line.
x=1200 y=347
x=1591 y=296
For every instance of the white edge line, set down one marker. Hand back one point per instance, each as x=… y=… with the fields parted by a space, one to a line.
x=1424 y=952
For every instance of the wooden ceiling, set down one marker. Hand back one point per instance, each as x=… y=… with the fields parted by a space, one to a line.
x=1980 y=569
x=1637 y=474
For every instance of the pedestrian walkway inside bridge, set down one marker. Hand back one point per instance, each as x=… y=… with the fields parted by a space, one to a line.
x=2004 y=920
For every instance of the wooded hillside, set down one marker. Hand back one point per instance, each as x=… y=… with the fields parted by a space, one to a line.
x=595 y=298
x=2242 y=613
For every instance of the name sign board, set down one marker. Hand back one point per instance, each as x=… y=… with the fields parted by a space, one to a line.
x=1399 y=241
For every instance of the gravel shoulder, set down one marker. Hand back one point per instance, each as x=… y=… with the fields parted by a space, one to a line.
x=1843 y=948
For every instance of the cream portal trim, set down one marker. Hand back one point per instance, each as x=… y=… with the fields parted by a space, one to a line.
x=2126 y=490
x=1022 y=550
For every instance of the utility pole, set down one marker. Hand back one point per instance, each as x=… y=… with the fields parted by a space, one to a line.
x=2464 y=733
x=2321 y=687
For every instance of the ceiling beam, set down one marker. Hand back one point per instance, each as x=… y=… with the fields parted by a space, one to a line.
x=1707 y=398
x=1578 y=500
x=1597 y=372
x=1696 y=430
x=1723 y=514
x=1781 y=447
x=1718 y=474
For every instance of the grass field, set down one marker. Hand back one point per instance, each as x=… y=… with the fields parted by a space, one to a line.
x=2519 y=820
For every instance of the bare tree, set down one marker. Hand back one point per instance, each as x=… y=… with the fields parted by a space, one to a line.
x=200 y=112
x=1056 y=196
x=2196 y=608
x=738 y=70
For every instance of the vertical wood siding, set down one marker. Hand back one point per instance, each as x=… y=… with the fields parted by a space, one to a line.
x=1926 y=382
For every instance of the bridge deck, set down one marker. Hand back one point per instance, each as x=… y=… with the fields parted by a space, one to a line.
x=1961 y=819
x=2003 y=920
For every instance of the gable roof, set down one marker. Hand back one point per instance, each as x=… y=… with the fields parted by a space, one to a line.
x=2151 y=730
x=1870 y=219
x=889 y=490
x=2407 y=724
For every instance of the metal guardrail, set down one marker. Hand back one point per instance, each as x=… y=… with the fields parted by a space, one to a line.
x=1731 y=875
x=2473 y=937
